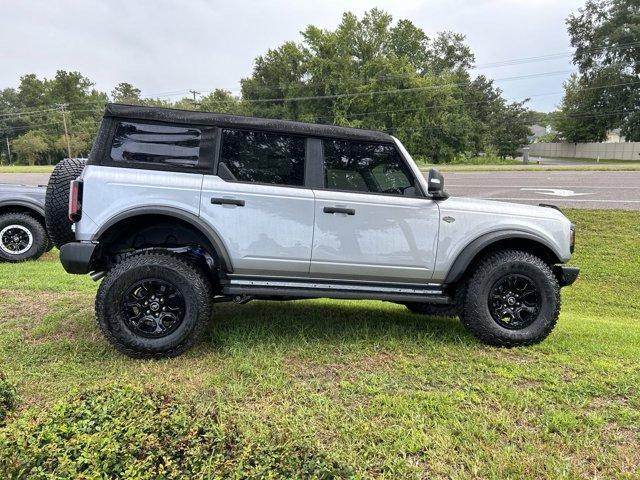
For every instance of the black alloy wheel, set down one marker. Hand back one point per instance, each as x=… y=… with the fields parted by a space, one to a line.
x=514 y=301
x=153 y=308
x=15 y=239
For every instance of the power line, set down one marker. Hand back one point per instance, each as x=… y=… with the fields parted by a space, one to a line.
x=362 y=80
x=48 y=110
x=382 y=77
x=461 y=104
x=28 y=127
x=399 y=90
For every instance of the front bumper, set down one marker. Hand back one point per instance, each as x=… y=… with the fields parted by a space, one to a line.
x=76 y=256
x=566 y=275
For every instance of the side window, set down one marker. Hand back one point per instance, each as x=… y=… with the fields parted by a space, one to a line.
x=263 y=157
x=156 y=144
x=366 y=167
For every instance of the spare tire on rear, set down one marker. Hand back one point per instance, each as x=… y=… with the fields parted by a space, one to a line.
x=56 y=207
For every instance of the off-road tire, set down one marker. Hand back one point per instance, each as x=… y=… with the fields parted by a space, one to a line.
x=56 y=209
x=187 y=277
x=432 y=309
x=38 y=237
x=475 y=310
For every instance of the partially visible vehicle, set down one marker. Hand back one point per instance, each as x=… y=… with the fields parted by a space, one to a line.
x=23 y=234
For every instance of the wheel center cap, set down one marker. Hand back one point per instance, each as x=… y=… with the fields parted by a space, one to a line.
x=154 y=306
x=511 y=301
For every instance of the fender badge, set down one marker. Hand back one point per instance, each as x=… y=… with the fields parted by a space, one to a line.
x=449 y=219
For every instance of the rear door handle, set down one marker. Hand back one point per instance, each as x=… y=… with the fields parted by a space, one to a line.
x=348 y=211
x=227 y=201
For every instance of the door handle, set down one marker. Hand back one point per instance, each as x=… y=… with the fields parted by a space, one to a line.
x=227 y=201
x=348 y=211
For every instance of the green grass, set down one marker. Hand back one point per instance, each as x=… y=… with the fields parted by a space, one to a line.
x=468 y=161
x=592 y=160
x=392 y=394
x=26 y=168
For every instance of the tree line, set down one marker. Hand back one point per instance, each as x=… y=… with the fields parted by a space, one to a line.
x=370 y=72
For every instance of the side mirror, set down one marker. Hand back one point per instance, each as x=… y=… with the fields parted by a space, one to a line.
x=436 y=185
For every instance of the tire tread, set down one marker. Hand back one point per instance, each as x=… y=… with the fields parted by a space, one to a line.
x=196 y=279
x=57 y=200
x=470 y=310
x=38 y=231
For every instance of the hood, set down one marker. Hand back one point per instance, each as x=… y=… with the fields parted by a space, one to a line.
x=501 y=208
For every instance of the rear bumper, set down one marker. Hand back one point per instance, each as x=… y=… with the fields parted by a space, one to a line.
x=566 y=275
x=76 y=256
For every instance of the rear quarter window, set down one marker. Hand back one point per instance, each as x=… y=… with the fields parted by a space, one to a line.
x=152 y=144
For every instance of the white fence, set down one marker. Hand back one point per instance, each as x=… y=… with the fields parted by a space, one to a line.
x=615 y=151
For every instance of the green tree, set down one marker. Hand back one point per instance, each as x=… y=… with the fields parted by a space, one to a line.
x=34 y=106
x=80 y=144
x=30 y=146
x=580 y=118
x=509 y=129
x=605 y=94
x=126 y=93
x=373 y=73
x=222 y=101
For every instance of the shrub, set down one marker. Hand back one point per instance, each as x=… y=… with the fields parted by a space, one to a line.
x=7 y=397
x=126 y=432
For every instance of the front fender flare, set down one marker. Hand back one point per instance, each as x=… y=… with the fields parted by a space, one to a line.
x=472 y=249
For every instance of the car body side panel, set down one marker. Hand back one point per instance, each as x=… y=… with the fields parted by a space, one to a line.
x=463 y=220
x=109 y=192
x=270 y=234
x=387 y=238
x=24 y=196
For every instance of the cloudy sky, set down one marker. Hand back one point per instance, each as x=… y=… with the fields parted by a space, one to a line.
x=166 y=47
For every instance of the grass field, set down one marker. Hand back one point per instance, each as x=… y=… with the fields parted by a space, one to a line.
x=392 y=394
x=26 y=168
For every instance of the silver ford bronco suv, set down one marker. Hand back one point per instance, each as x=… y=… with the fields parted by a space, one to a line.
x=177 y=210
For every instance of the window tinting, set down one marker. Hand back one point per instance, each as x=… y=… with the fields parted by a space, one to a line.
x=158 y=144
x=263 y=157
x=366 y=167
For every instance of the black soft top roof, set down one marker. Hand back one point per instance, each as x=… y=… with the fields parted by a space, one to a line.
x=224 y=120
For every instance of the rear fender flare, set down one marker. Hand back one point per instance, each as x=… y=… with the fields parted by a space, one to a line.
x=194 y=220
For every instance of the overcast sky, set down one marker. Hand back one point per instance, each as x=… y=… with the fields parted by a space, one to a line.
x=164 y=46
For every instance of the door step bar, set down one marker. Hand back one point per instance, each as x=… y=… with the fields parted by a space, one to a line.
x=269 y=288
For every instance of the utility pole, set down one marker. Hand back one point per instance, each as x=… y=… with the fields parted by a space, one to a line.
x=66 y=132
x=8 y=149
x=194 y=93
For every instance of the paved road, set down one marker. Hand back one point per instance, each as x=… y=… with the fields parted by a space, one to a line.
x=573 y=189
x=25 y=178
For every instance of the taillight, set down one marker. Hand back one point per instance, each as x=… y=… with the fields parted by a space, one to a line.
x=75 y=200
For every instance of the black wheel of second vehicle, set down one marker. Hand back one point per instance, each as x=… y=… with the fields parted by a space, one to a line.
x=22 y=237
x=154 y=305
